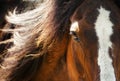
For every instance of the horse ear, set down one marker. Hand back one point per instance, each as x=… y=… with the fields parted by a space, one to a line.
x=74 y=29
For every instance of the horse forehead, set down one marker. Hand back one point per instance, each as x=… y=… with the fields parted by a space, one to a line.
x=90 y=8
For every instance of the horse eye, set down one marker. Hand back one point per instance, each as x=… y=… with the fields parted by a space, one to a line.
x=77 y=39
x=73 y=33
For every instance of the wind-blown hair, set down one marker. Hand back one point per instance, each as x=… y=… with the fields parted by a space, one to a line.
x=35 y=32
x=9 y=5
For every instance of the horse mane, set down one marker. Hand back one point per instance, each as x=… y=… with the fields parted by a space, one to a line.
x=35 y=33
x=8 y=5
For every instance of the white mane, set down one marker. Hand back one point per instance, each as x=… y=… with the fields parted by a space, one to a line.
x=26 y=25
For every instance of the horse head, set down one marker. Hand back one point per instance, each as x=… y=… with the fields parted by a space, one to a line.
x=93 y=50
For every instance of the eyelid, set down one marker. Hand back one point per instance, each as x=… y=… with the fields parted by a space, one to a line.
x=73 y=33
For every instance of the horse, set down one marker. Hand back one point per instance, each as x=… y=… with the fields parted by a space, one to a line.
x=64 y=40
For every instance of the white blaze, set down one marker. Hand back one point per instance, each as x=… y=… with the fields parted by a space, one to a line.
x=103 y=28
x=74 y=27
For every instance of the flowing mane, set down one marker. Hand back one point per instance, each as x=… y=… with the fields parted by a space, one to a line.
x=40 y=46
x=9 y=5
x=35 y=33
